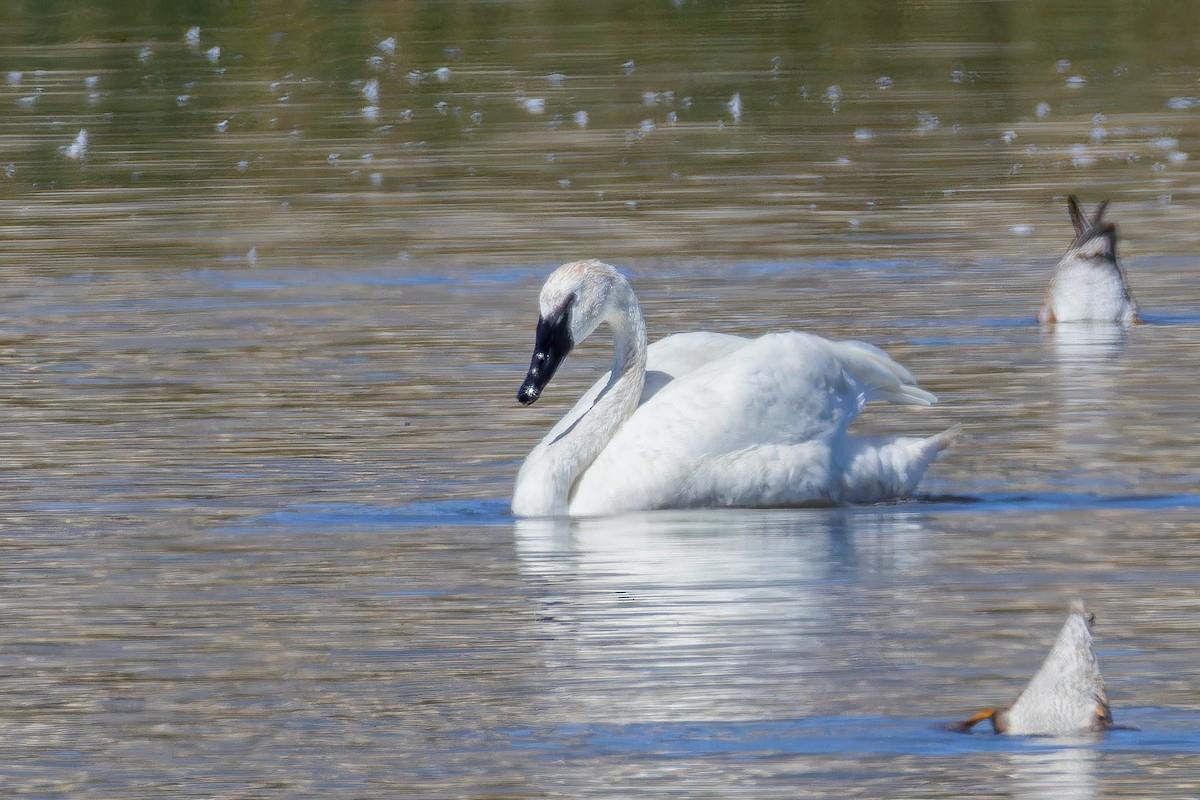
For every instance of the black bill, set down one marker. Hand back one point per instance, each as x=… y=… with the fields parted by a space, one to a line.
x=552 y=343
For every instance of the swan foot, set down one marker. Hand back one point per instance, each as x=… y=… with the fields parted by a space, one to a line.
x=967 y=724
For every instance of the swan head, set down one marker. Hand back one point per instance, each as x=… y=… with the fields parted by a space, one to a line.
x=575 y=299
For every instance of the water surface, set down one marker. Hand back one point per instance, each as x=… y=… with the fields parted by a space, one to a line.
x=263 y=328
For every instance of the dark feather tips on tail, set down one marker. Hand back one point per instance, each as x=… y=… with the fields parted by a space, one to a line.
x=1086 y=229
x=1078 y=221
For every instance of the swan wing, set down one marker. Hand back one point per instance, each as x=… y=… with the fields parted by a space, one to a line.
x=666 y=360
x=681 y=353
x=760 y=423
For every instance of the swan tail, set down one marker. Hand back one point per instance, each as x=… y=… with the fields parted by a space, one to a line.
x=946 y=438
x=882 y=468
x=882 y=378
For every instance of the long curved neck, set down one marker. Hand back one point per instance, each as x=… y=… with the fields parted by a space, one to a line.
x=629 y=342
x=546 y=478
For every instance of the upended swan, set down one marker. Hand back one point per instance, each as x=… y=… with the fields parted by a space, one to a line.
x=1088 y=284
x=1065 y=695
x=708 y=419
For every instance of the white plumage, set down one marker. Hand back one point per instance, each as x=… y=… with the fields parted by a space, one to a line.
x=709 y=419
x=1066 y=694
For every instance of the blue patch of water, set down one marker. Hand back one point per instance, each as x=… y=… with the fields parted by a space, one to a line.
x=1052 y=501
x=945 y=341
x=1161 y=730
x=885 y=268
x=1027 y=321
x=495 y=510
x=1170 y=318
x=489 y=279
x=245 y=279
x=486 y=511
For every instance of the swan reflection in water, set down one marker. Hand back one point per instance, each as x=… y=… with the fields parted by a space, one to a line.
x=702 y=615
x=1063 y=767
x=1085 y=346
x=1089 y=368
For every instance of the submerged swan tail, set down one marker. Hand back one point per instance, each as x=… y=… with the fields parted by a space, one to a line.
x=884 y=468
x=881 y=377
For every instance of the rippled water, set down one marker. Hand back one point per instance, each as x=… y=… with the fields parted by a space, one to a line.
x=260 y=345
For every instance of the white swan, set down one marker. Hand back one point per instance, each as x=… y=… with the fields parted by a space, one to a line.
x=708 y=419
x=1088 y=284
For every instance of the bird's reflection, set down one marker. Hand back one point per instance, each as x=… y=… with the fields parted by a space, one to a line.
x=1064 y=773
x=674 y=615
x=1085 y=346
x=1088 y=371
